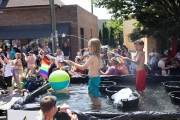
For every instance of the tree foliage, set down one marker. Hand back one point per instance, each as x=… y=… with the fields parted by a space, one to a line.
x=105 y=32
x=100 y=34
x=158 y=18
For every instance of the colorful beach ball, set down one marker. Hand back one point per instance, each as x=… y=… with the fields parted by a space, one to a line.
x=59 y=80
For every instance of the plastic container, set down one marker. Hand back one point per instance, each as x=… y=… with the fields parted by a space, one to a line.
x=171 y=86
x=175 y=97
x=131 y=103
x=104 y=85
x=112 y=90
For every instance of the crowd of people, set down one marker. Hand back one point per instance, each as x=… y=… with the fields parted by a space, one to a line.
x=18 y=64
x=160 y=66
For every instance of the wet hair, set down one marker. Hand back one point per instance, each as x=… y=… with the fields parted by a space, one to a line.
x=96 y=46
x=46 y=103
x=140 y=42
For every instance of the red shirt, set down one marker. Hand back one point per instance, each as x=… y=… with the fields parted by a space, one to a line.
x=79 y=71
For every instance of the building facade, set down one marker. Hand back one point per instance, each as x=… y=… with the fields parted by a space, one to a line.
x=32 y=20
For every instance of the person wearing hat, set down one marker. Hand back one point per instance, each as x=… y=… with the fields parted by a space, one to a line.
x=31 y=60
x=122 y=68
x=113 y=69
x=60 y=65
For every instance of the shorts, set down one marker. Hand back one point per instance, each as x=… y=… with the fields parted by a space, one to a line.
x=140 y=80
x=93 y=86
x=8 y=81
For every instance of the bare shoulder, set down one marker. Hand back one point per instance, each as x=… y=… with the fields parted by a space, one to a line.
x=141 y=53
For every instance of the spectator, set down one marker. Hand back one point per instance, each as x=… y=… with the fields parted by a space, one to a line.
x=152 y=52
x=78 y=61
x=60 y=56
x=113 y=69
x=66 y=50
x=85 y=53
x=12 y=53
x=174 y=69
x=123 y=69
x=52 y=66
x=7 y=73
x=18 y=70
x=161 y=65
x=31 y=60
x=178 y=55
x=31 y=78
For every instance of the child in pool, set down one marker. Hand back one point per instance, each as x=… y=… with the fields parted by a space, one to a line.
x=140 y=70
x=94 y=63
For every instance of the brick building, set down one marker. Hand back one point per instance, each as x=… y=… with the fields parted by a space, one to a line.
x=24 y=20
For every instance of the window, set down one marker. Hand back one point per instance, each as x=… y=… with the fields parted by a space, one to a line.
x=82 y=37
x=91 y=34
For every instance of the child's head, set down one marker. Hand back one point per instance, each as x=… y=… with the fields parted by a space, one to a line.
x=114 y=61
x=61 y=63
x=163 y=57
x=52 y=60
x=78 y=60
x=78 y=53
x=48 y=105
x=139 y=45
x=94 y=46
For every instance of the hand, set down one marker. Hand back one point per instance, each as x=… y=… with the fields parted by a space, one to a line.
x=64 y=107
x=2 y=54
x=74 y=117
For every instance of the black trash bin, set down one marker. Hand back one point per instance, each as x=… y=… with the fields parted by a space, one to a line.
x=171 y=86
x=175 y=97
x=104 y=85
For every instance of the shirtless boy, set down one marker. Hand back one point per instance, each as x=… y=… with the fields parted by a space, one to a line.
x=139 y=62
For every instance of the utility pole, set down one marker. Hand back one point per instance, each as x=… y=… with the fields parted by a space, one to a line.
x=53 y=28
x=92 y=6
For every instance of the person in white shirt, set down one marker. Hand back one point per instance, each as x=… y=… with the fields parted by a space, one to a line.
x=152 y=52
x=59 y=57
x=7 y=73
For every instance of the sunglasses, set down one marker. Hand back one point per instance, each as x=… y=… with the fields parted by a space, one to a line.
x=55 y=101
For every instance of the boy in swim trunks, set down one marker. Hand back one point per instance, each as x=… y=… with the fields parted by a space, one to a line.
x=139 y=62
x=94 y=63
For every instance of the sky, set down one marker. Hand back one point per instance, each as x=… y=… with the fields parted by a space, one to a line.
x=101 y=13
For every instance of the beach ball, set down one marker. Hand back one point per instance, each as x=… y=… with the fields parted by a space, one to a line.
x=59 y=80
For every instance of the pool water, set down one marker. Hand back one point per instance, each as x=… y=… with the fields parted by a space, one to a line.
x=155 y=99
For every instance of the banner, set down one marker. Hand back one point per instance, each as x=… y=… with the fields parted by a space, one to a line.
x=21 y=115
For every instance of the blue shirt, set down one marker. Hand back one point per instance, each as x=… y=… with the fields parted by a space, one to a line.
x=12 y=53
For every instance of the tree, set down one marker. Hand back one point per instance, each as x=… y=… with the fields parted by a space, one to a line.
x=158 y=18
x=100 y=35
x=117 y=26
x=112 y=42
x=105 y=32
